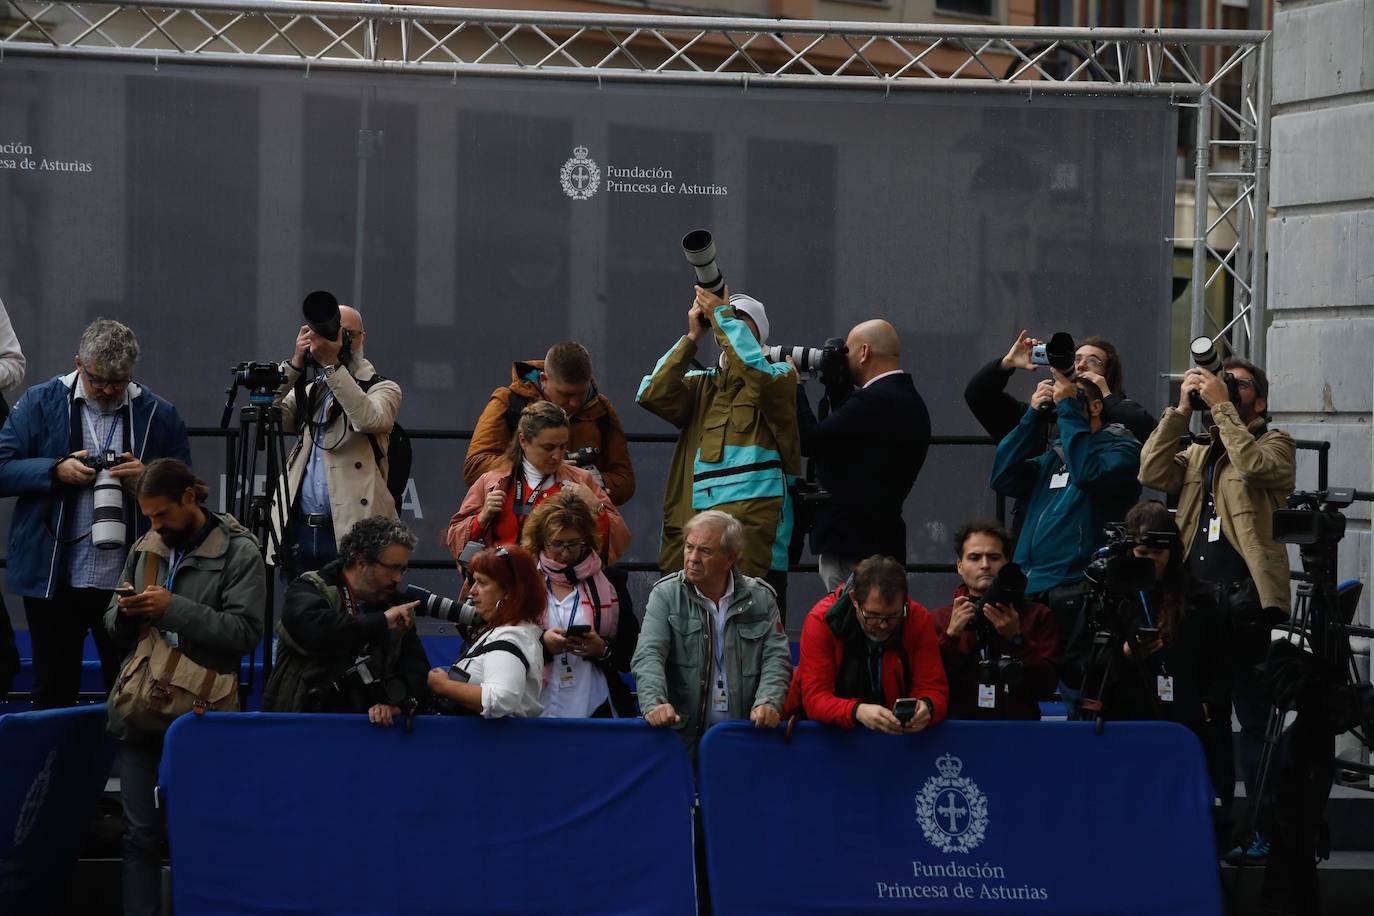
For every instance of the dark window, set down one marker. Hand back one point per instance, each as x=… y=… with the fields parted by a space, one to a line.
x=965 y=7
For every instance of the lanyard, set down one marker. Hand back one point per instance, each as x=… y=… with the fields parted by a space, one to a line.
x=572 y=615
x=875 y=672
x=523 y=503
x=719 y=634
x=320 y=423
x=174 y=563
x=90 y=427
x=1149 y=620
x=348 y=596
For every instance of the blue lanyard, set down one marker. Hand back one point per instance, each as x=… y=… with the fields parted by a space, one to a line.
x=577 y=603
x=174 y=564
x=1149 y=621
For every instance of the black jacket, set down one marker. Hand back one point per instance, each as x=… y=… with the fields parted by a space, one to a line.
x=320 y=640
x=998 y=412
x=867 y=453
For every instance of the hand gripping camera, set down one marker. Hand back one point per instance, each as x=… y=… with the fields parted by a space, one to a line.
x=1205 y=356
x=1007 y=589
x=108 y=529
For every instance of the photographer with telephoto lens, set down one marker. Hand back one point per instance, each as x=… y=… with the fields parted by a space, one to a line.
x=72 y=450
x=738 y=448
x=1000 y=649
x=346 y=639
x=1228 y=487
x=337 y=472
x=867 y=451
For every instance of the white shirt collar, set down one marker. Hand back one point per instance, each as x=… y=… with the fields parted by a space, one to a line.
x=724 y=601
x=884 y=375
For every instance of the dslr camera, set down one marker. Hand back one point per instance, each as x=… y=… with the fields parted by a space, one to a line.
x=102 y=461
x=440 y=608
x=1205 y=356
x=827 y=361
x=1008 y=589
x=356 y=689
x=584 y=457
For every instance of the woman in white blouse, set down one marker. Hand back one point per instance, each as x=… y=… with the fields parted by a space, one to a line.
x=501 y=671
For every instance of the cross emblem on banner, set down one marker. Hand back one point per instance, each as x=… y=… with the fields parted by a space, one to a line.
x=952 y=811
x=580 y=176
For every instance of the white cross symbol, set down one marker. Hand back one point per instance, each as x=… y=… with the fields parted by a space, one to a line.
x=580 y=176
x=953 y=812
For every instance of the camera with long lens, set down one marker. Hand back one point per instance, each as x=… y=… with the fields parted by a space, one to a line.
x=700 y=250
x=1008 y=590
x=354 y=690
x=827 y=361
x=321 y=312
x=1059 y=354
x=441 y=608
x=108 y=528
x=261 y=380
x=1205 y=356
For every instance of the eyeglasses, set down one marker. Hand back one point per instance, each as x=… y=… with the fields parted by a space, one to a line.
x=114 y=384
x=566 y=546
x=399 y=569
x=881 y=620
x=1244 y=384
x=1091 y=361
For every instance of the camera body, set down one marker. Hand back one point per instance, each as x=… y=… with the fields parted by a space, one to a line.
x=102 y=461
x=1009 y=589
x=827 y=361
x=584 y=457
x=259 y=378
x=355 y=689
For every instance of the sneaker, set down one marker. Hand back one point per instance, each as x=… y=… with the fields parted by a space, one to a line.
x=1257 y=853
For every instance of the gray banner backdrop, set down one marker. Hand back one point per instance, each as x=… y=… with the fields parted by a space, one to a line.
x=199 y=204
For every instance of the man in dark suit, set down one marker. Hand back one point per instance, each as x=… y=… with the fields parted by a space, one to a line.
x=866 y=453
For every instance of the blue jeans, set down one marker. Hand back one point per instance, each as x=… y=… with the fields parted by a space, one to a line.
x=315 y=547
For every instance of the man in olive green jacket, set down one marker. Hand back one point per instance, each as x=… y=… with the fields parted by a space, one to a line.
x=711 y=647
x=739 y=446
x=199 y=578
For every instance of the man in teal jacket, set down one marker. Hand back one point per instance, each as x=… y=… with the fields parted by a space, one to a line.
x=711 y=647
x=1086 y=479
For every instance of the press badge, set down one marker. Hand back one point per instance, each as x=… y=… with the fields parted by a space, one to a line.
x=719 y=701
x=987 y=696
x=1166 y=688
x=170 y=637
x=566 y=677
x=1059 y=481
x=1214 y=529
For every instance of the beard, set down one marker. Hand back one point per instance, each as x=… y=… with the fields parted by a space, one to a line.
x=177 y=538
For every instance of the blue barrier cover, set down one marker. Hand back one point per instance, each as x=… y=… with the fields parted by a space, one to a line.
x=53 y=766
x=328 y=814
x=970 y=817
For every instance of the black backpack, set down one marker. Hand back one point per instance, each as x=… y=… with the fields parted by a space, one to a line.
x=398 y=453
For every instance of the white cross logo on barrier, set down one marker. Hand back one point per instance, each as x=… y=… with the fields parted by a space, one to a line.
x=952 y=811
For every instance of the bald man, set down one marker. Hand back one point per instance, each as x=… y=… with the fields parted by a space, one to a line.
x=866 y=453
x=334 y=475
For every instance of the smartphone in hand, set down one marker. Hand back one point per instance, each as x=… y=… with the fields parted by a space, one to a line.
x=905 y=709
x=579 y=631
x=125 y=591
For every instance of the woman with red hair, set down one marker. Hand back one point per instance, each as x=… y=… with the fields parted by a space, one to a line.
x=501 y=671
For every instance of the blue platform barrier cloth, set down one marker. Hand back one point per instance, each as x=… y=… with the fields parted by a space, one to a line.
x=969 y=817
x=328 y=814
x=53 y=766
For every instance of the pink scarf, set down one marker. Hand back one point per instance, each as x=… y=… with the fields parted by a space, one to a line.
x=584 y=577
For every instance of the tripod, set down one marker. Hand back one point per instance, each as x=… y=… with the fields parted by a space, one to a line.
x=1112 y=632
x=260 y=433
x=1311 y=671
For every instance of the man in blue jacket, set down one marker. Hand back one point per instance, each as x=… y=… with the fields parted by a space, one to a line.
x=866 y=452
x=54 y=561
x=1084 y=480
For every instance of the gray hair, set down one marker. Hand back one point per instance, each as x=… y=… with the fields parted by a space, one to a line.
x=731 y=531
x=369 y=537
x=109 y=345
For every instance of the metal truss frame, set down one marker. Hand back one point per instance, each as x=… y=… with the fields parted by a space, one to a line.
x=1196 y=69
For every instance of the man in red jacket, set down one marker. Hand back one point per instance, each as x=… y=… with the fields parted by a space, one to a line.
x=1022 y=631
x=864 y=647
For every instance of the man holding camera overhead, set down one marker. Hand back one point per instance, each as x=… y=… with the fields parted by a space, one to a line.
x=869 y=657
x=738 y=449
x=336 y=474
x=72 y=451
x=1228 y=488
x=999 y=648
x=1085 y=479
x=867 y=451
